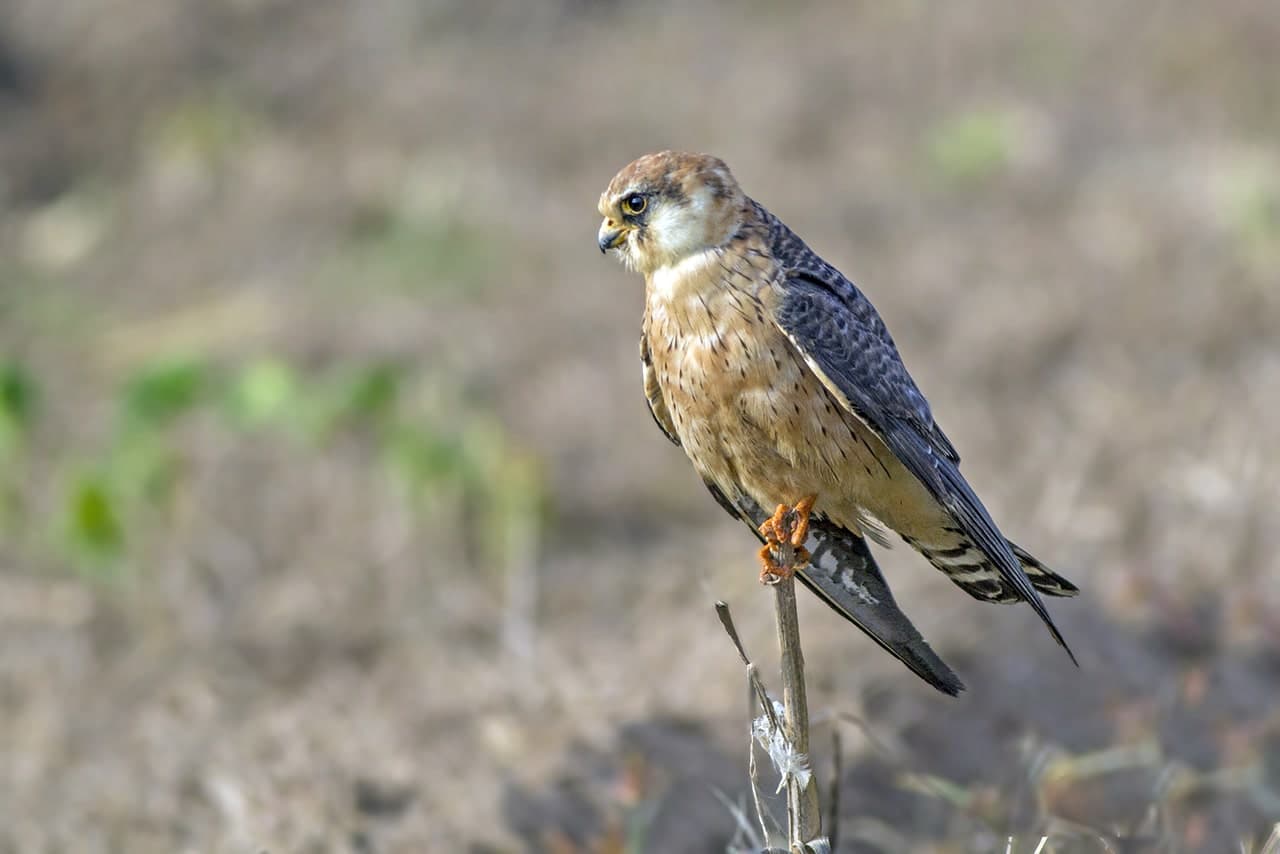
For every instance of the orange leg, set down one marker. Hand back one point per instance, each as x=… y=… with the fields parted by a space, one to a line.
x=788 y=526
x=770 y=570
x=803 y=509
x=773 y=527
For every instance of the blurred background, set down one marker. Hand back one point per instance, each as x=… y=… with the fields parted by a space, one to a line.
x=331 y=516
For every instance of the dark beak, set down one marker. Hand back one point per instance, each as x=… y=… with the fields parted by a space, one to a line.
x=608 y=238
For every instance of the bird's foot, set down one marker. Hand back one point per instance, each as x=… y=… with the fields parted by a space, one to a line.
x=772 y=571
x=771 y=528
x=784 y=535
x=800 y=532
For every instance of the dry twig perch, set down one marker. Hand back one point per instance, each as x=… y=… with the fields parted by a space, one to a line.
x=787 y=740
x=804 y=814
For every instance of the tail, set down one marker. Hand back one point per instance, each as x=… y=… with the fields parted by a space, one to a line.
x=843 y=573
x=974 y=573
x=1042 y=577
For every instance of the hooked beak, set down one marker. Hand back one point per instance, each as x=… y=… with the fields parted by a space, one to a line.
x=609 y=236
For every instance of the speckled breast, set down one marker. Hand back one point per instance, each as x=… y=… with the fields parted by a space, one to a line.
x=749 y=413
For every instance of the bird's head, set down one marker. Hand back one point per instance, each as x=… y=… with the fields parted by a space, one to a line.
x=667 y=206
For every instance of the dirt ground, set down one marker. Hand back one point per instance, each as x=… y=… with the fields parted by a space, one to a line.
x=331 y=517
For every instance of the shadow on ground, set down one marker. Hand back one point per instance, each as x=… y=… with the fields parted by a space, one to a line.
x=1144 y=751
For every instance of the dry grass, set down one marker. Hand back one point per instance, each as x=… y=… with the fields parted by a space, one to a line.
x=1068 y=218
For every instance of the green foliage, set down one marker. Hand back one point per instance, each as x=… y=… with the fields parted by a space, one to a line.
x=137 y=471
x=143 y=468
x=372 y=392
x=508 y=484
x=18 y=400
x=468 y=458
x=264 y=392
x=418 y=458
x=970 y=148
x=270 y=394
x=353 y=398
x=92 y=526
x=161 y=391
x=435 y=449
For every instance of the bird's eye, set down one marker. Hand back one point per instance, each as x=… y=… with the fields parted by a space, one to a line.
x=634 y=204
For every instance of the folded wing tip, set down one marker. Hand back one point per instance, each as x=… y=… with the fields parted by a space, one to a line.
x=925 y=663
x=885 y=624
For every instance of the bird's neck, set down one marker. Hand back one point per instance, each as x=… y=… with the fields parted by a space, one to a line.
x=684 y=279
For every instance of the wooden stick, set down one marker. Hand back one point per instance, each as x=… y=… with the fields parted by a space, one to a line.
x=804 y=815
x=791 y=753
x=804 y=812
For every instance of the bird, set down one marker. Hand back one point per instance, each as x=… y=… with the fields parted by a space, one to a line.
x=781 y=383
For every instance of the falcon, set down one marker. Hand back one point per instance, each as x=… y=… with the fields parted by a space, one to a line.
x=781 y=383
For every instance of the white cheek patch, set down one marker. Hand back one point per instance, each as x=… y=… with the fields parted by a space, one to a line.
x=668 y=231
x=679 y=230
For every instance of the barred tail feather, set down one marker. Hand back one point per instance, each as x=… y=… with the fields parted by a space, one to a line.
x=1045 y=579
x=974 y=573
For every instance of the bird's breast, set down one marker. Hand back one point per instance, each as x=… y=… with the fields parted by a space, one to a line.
x=740 y=398
x=750 y=413
x=716 y=353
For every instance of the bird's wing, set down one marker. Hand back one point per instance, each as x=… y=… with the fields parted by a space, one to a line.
x=843 y=573
x=845 y=343
x=653 y=393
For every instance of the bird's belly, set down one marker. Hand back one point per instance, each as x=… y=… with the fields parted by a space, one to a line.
x=757 y=422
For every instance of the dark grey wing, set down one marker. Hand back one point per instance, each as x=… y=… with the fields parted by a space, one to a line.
x=843 y=573
x=653 y=394
x=854 y=336
x=844 y=341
